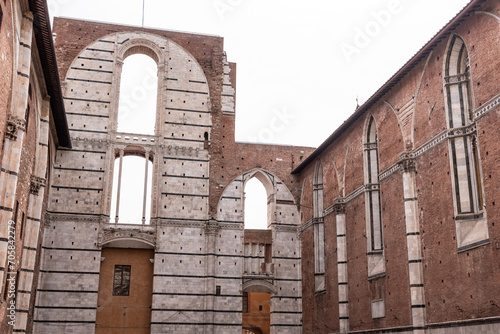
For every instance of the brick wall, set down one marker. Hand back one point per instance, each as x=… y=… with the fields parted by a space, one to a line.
x=6 y=67
x=457 y=285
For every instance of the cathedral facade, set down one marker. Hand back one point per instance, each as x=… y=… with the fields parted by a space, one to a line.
x=387 y=227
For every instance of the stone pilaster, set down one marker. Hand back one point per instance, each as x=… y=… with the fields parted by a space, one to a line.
x=414 y=245
x=340 y=217
x=14 y=138
x=211 y=230
x=33 y=221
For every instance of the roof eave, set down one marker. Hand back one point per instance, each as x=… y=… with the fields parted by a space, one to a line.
x=46 y=49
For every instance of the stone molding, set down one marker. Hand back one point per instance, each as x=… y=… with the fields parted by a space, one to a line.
x=14 y=124
x=71 y=217
x=111 y=233
x=212 y=227
x=407 y=162
x=339 y=207
x=36 y=184
x=487 y=107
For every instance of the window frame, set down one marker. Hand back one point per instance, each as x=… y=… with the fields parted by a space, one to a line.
x=118 y=289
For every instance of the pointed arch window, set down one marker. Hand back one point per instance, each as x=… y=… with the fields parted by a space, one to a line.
x=138 y=95
x=465 y=163
x=373 y=212
x=256 y=207
x=468 y=190
x=319 y=228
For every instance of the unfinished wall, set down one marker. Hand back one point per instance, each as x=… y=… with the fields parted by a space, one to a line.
x=199 y=256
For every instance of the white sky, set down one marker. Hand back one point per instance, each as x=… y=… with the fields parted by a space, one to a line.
x=300 y=64
x=288 y=52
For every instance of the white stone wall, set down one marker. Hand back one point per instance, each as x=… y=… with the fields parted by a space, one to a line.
x=199 y=262
x=286 y=303
x=69 y=277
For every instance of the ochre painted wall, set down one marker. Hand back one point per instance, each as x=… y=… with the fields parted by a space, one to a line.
x=256 y=318
x=125 y=314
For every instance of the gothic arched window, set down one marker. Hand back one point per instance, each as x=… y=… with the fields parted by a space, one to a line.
x=319 y=228
x=468 y=191
x=465 y=164
x=374 y=218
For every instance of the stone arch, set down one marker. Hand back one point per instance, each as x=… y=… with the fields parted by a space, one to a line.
x=141 y=46
x=368 y=119
x=257 y=285
x=132 y=184
x=318 y=184
x=281 y=203
x=370 y=124
x=128 y=243
x=266 y=178
x=127 y=238
x=268 y=183
x=84 y=74
x=465 y=162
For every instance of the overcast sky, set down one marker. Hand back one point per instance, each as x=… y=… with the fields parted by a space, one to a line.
x=305 y=61
x=301 y=65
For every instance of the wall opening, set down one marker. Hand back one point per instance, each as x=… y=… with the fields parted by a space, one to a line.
x=374 y=216
x=138 y=95
x=319 y=229
x=463 y=148
x=256 y=313
x=256 y=215
x=133 y=206
x=125 y=291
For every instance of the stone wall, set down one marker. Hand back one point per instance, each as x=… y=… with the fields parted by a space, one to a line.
x=197 y=190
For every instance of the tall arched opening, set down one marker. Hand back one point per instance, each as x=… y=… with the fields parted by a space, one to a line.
x=138 y=95
x=255 y=214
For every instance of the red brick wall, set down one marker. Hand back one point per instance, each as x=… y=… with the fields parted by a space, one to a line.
x=457 y=286
x=73 y=35
x=6 y=67
x=28 y=154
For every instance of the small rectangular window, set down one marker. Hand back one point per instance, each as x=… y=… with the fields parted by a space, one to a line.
x=217 y=290
x=121 y=280
x=245 y=302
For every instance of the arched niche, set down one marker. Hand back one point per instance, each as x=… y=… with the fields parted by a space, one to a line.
x=258 y=285
x=128 y=242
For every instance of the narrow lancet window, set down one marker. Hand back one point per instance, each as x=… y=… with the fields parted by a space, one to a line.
x=464 y=155
x=256 y=216
x=465 y=163
x=373 y=213
x=319 y=228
